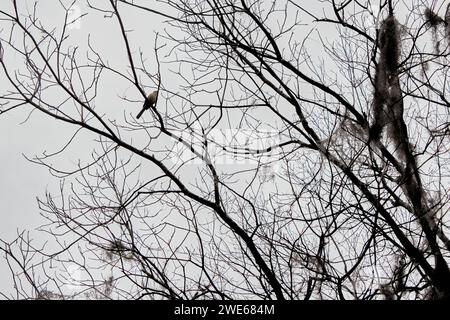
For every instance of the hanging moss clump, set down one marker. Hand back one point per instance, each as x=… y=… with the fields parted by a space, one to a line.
x=386 y=69
x=388 y=99
x=390 y=44
x=433 y=20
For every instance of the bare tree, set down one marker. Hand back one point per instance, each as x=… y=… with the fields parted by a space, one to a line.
x=295 y=151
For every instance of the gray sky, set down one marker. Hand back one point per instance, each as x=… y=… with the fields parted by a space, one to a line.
x=20 y=181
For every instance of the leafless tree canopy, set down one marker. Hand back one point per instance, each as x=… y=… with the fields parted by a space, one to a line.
x=295 y=151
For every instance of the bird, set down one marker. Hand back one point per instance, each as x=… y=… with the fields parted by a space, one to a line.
x=149 y=102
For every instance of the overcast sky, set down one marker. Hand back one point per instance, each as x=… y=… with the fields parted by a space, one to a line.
x=21 y=181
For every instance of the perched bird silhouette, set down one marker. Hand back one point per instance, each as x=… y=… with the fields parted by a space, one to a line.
x=149 y=102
